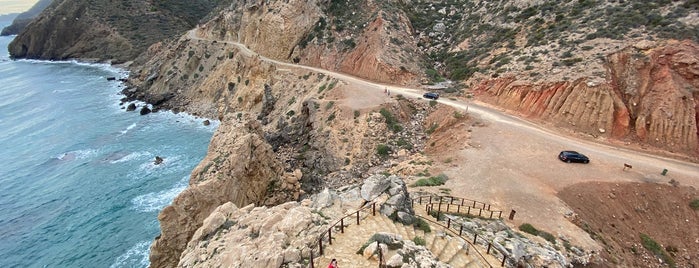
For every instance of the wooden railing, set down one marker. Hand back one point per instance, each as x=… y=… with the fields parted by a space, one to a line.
x=463 y=206
x=368 y=208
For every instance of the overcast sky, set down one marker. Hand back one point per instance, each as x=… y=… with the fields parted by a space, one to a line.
x=15 y=6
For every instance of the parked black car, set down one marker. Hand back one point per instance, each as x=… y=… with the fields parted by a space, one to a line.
x=573 y=156
x=431 y=95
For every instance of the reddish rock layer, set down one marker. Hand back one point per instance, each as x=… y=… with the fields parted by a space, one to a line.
x=651 y=96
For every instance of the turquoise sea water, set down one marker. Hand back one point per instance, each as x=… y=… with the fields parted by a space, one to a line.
x=78 y=186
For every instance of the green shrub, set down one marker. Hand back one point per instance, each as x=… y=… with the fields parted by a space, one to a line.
x=421 y=224
x=391 y=121
x=356 y=114
x=549 y=237
x=383 y=150
x=694 y=204
x=433 y=103
x=419 y=241
x=432 y=181
x=654 y=247
x=432 y=128
x=528 y=228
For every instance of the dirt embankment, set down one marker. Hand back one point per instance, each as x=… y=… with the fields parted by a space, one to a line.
x=648 y=96
x=616 y=214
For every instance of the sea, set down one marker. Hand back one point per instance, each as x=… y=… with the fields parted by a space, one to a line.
x=78 y=182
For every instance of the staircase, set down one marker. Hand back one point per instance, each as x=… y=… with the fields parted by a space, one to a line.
x=445 y=247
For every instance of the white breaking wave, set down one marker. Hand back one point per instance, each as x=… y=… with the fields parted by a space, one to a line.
x=136 y=256
x=78 y=154
x=132 y=156
x=122 y=73
x=156 y=201
x=133 y=125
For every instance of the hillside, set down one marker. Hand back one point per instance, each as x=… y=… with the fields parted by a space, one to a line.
x=292 y=123
x=24 y=18
x=105 y=30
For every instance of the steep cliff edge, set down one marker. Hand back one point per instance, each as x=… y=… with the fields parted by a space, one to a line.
x=238 y=168
x=649 y=95
x=104 y=30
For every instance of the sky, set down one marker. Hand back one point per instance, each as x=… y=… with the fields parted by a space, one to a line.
x=15 y=6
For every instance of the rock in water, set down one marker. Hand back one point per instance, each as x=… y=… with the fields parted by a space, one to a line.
x=158 y=160
x=131 y=107
x=145 y=111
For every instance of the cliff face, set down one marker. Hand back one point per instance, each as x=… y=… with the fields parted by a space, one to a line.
x=324 y=34
x=104 y=30
x=650 y=95
x=314 y=134
x=23 y=19
x=238 y=168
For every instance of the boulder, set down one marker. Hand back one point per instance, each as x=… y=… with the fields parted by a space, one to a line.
x=393 y=241
x=374 y=186
x=145 y=111
x=158 y=160
x=395 y=261
x=131 y=107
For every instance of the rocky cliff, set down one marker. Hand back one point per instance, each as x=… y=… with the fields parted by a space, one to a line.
x=373 y=41
x=314 y=133
x=649 y=94
x=24 y=18
x=239 y=167
x=104 y=30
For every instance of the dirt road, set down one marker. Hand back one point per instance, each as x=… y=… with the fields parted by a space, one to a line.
x=513 y=163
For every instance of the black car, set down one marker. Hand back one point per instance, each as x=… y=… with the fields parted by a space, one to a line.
x=431 y=95
x=573 y=156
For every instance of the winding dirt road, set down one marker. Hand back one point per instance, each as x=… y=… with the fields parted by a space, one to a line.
x=512 y=163
x=493 y=115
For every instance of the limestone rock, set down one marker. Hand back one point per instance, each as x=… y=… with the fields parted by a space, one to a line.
x=238 y=168
x=253 y=237
x=374 y=186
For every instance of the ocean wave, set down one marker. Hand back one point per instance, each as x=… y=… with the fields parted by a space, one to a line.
x=136 y=256
x=130 y=127
x=77 y=154
x=118 y=158
x=123 y=73
x=156 y=201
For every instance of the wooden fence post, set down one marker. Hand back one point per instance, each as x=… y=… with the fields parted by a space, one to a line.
x=312 y=258
x=512 y=214
x=342 y=225
x=330 y=236
x=320 y=245
x=357 y=217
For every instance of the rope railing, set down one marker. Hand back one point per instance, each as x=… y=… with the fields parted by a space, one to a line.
x=430 y=204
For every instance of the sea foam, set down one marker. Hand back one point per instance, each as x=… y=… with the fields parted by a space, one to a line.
x=156 y=201
x=136 y=256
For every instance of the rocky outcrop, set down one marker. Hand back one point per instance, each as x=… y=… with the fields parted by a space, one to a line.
x=282 y=235
x=104 y=30
x=277 y=236
x=239 y=168
x=650 y=95
x=392 y=194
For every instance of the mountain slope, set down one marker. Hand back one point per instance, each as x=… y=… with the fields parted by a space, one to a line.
x=105 y=30
x=24 y=18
